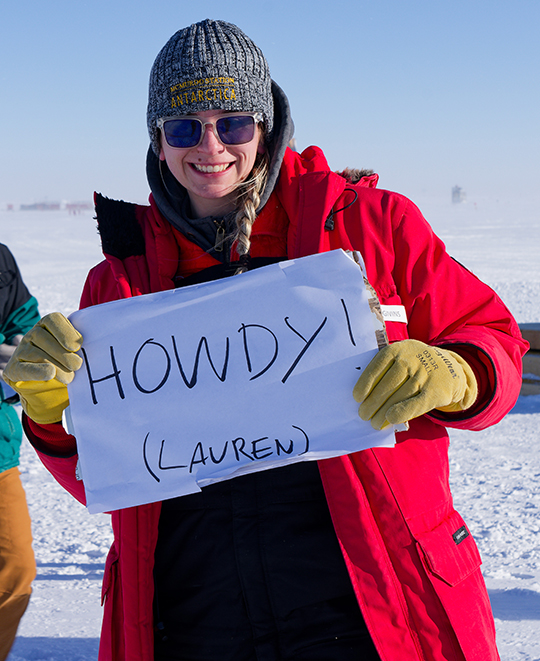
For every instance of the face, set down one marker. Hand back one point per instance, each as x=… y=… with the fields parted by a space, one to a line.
x=212 y=171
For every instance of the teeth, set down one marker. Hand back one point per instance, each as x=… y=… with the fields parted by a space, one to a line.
x=210 y=168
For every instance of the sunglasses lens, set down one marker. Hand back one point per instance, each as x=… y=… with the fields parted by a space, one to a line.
x=236 y=130
x=182 y=133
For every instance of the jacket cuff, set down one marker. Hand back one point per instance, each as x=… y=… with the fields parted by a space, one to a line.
x=486 y=379
x=51 y=440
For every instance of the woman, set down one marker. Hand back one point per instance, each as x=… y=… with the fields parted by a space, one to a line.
x=356 y=557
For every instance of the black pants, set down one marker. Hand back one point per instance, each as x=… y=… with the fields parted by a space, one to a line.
x=251 y=570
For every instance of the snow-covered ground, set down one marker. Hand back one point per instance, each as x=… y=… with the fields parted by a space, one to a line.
x=495 y=473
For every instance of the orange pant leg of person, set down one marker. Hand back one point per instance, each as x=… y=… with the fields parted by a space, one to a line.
x=17 y=563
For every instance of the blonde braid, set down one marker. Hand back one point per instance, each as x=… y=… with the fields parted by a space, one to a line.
x=248 y=200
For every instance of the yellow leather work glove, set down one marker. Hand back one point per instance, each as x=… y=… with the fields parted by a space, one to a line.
x=42 y=365
x=409 y=378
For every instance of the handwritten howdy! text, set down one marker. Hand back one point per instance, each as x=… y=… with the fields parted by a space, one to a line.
x=168 y=353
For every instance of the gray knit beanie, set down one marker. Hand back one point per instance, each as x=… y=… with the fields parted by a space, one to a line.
x=211 y=65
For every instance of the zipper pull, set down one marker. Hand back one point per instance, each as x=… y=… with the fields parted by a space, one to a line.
x=220 y=236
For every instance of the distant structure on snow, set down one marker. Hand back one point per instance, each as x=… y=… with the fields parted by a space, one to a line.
x=41 y=206
x=73 y=208
x=458 y=195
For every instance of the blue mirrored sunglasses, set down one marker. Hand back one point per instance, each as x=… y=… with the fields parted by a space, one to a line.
x=188 y=131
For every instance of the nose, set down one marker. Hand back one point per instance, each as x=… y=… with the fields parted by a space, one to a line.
x=210 y=142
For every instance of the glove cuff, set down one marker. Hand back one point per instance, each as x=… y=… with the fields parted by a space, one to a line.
x=469 y=392
x=42 y=401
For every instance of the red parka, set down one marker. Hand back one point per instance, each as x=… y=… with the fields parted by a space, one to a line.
x=413 y=563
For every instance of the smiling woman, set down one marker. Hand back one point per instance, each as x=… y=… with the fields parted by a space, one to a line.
x=360 y=556
x=223 y=83
x=223 y=154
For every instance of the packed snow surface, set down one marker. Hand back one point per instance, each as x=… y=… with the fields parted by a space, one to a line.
x=495 y=474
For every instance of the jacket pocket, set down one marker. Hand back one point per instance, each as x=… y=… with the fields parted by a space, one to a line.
x=452 y=564
x=449 y=551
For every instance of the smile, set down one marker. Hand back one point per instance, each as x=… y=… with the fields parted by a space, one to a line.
x=210 y=168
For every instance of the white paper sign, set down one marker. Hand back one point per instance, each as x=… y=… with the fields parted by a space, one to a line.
x=190 y=386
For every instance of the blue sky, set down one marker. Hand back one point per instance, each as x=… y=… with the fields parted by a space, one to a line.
x=430 y=93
